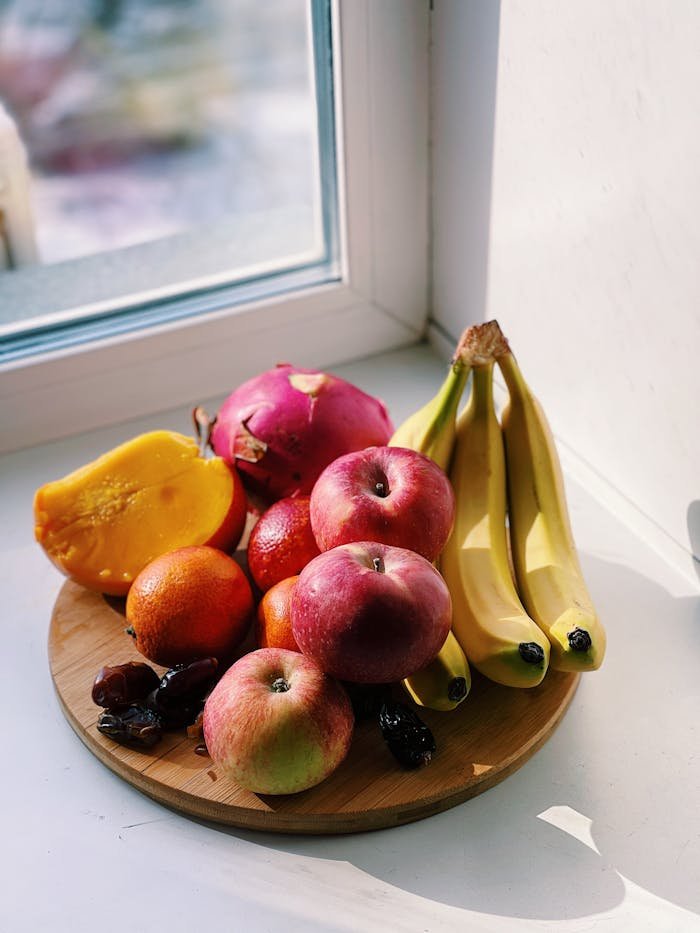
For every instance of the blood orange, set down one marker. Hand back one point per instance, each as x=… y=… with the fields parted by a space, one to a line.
x=190 y=603
x=282 y=543
x=274 y=621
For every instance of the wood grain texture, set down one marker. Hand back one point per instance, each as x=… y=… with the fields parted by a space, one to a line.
x=488 y=737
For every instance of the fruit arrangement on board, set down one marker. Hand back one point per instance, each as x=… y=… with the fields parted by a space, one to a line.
x=377 y=567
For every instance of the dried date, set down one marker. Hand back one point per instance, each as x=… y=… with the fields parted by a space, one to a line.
x=188 y=681
x=173 y=714
x=121 y=684
x=179 y=697
x=135 y=725
x=409 y=739
x=366 y=699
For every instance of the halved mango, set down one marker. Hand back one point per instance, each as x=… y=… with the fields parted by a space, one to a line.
x=103 y=523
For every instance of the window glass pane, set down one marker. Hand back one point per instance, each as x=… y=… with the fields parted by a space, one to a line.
x=173 y=146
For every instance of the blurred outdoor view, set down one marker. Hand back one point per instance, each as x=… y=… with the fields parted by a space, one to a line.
x=145 y=118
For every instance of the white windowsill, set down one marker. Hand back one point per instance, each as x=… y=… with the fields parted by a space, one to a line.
x=601 y=825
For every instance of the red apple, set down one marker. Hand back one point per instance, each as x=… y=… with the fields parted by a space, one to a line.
x=392 y=495
x=276 y=723
x=370 y=613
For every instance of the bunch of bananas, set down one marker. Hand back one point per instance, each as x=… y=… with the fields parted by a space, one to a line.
x=520 y=604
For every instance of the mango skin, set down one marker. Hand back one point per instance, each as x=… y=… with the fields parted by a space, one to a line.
x=103 y=523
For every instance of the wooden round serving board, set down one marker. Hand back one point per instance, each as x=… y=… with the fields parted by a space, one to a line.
x=494 y=731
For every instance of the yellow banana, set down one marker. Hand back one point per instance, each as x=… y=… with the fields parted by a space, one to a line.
x=431 y=429
x=489 y=621
x=547 y=568
x=446 y=681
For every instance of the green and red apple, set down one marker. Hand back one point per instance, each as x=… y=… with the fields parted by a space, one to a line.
x=276 y=723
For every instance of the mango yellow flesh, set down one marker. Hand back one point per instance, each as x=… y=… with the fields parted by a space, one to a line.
x=104 y=522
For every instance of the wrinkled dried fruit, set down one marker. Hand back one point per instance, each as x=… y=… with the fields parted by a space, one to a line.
x=189 y=681
x=409 y=739
x=174 y=714
x=367 y=699
x=135 y=725
x=179 y=697
x=122 y=684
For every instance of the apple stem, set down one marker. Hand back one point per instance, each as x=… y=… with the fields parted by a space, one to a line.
x=380 y=490
x=378 y=564
x=279 y=686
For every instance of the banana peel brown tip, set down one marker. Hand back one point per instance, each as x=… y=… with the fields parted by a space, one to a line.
x=481 y=344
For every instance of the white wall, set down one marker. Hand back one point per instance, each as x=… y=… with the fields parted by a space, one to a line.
x=566 y=172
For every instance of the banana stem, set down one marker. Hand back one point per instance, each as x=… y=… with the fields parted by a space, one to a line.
x=512 y=375
x=482 y=343
x=447 y=399
x=482 y=391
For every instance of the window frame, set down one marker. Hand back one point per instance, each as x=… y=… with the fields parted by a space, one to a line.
x=99 y=295
x=379 y=302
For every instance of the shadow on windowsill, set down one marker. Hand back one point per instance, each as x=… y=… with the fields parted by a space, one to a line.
x=603 y=801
